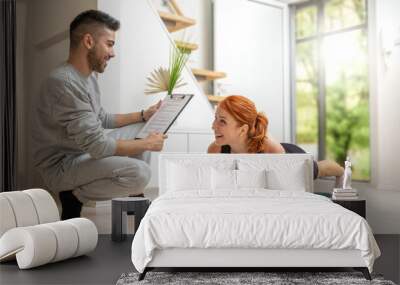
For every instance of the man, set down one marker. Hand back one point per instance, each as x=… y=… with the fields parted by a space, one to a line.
x=72 y=151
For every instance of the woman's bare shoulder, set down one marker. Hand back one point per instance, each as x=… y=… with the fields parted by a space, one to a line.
x=213 y=148
x=274 y=147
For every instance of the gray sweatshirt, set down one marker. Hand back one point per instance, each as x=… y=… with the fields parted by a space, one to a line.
x=70 y=120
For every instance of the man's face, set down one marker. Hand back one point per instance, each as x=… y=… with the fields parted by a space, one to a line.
x=102 y=51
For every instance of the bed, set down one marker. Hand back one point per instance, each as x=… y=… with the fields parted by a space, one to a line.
x=252 y=210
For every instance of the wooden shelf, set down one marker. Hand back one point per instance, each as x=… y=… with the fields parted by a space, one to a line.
x=215 y=98
x=176 y=22
x=186 y=45
x=174 y=7
x=204 y=74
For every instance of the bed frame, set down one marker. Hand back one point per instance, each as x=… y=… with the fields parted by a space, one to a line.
x=246 y=258
x=242 y=259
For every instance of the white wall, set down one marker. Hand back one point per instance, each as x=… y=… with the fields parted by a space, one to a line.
x=385 y=202
x=254 y=53
x=110 y=80
x=387 y=94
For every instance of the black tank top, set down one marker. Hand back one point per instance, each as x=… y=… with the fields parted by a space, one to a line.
x=226 y=149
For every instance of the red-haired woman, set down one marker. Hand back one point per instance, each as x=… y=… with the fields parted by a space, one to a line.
x=239 y=128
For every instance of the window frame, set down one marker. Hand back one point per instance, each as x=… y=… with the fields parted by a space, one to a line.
x=318 y=37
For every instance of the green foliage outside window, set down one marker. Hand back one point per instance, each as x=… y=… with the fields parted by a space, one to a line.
x=306 y=22
x=307 y=94
x=339 y=14
x=336 y=62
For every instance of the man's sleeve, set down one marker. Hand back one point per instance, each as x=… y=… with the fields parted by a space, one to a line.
x=73 y=111
x=107 y=119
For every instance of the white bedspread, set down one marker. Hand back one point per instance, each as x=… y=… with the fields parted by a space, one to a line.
x=250 y=219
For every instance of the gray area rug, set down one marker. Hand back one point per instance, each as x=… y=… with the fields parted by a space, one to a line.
x=231 y=278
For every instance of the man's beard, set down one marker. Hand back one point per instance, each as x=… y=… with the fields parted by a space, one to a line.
x=94 y=61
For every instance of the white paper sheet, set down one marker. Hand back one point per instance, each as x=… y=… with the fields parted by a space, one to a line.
x=169 y=110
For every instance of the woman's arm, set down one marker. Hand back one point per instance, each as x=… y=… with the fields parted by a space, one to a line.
x=329 y=168
x=213 y=148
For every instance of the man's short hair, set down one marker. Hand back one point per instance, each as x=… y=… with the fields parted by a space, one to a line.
x=89 y=22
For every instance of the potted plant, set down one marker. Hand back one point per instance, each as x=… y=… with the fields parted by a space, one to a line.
x=161 y=79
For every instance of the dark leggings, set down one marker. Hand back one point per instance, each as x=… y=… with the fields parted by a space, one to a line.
x=292 y=148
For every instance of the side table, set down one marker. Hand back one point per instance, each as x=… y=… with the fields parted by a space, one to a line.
x=358 y=206
x=121 y=207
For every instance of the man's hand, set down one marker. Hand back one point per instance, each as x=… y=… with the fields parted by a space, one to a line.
x=155 y=141
x=136 y=117
x=151 y=110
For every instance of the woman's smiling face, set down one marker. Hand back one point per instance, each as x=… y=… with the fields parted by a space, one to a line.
x=226 y=128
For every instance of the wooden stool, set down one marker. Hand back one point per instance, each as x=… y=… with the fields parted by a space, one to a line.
x=121 y=207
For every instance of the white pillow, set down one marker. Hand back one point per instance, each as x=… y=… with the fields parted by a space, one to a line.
x=193 y=174
x=293 y=180
x=223 y=179
x=188 y=177
x=227 y=179
x=281 y=174
x=251 y=178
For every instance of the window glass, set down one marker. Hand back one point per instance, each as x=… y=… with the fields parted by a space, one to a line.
x=333 y=68
x=306 y=22
x=340 y=14
x=347 y=109
x=306 y=96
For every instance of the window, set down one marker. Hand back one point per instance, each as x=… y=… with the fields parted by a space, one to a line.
x=331 y=81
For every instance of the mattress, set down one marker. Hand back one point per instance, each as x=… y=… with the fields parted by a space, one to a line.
x=252 y=219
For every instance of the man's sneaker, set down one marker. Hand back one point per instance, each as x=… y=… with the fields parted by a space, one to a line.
x=71 y=206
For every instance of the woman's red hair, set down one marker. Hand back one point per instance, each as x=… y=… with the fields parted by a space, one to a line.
x=244 y=112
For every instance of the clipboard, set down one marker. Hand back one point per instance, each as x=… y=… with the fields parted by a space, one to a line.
x=162 y=120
